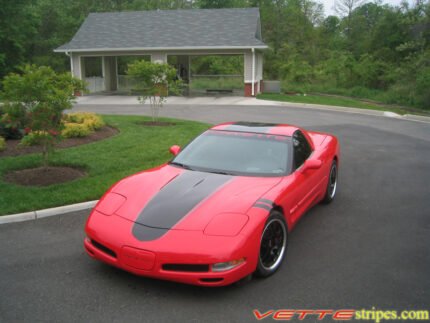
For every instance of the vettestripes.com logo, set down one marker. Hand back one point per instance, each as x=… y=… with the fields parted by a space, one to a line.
x=373 y=315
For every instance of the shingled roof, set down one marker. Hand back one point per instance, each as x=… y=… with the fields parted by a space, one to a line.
x=168 y=29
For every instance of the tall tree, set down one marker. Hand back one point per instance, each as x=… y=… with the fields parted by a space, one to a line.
x=344 y=8
x=204 y=4
x=18 y=25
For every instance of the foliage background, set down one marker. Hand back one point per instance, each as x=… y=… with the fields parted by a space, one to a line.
x=370 y=50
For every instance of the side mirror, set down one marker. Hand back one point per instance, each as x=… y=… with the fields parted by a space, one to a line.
x=311 y=164
x=174 y=150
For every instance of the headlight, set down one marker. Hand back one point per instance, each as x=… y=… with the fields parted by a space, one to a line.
x=224 y=266
x=226 y=224
x=110 y=203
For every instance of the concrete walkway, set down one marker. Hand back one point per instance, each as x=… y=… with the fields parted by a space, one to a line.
x=119 y=100
x=175 y=100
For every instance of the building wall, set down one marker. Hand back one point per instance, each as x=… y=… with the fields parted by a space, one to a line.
x=159 y=57
x=172 y=52
x=109 y=62
x=247 y=66
x=258 y=72
x=259 y=66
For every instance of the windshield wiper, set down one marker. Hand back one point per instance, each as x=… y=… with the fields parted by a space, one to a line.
x=181 y=165
x=191 y=168
x=219 y=172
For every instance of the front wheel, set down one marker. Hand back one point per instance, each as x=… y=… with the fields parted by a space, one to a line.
x=273 y=245
x=332 y=184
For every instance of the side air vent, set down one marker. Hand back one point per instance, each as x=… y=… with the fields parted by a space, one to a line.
x=211 y=280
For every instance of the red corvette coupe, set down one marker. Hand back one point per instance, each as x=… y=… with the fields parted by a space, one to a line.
x=221 y=209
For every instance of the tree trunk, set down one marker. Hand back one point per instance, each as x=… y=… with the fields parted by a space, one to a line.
x=45 y=152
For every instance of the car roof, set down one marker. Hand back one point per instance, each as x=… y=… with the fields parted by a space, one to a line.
x=257 y=127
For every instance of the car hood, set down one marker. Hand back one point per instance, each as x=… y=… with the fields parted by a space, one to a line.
x=174 y=198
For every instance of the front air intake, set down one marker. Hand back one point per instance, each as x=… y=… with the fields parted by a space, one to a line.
x=104 y=249
x=186 y=267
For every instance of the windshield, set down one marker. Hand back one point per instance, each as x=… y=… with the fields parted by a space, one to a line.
x=237 y=153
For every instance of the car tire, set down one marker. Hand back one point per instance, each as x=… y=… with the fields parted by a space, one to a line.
x=273 y=245
x=331 y=184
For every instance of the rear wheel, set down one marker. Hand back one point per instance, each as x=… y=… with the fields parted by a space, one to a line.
x=332 y=184
x=273 y=245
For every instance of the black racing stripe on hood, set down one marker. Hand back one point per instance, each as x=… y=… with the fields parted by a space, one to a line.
x=174 y=201
x=258 y=127
x=144 y=233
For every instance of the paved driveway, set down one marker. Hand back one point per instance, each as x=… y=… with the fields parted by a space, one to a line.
x=370 y=247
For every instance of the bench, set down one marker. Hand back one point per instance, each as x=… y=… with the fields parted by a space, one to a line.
x=219 y=90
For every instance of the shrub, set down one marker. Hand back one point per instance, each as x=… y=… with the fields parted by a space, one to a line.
x=153 y=82
x=81 y=124
x=91 y=120
x=422 y=88
x=2 y=144
x=37 y=138
x=41 y=95
x=75 y=130
x=12 y=121
x=7 y=128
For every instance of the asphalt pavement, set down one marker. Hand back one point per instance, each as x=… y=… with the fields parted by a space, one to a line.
x=369 y=248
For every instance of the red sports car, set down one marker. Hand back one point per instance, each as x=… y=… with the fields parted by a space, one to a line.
x=221 y=209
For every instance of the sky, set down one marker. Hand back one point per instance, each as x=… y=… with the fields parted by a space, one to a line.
x=328 y=5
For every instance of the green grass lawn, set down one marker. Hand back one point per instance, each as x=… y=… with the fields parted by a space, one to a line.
x=135 y=148
x=332 y=100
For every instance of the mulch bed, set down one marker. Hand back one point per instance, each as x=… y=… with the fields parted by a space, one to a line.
x=12 y=148
x=43 y=176
x=155 y=123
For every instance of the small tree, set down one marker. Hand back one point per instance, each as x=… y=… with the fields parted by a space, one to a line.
x=42 y=96
x=154 y=81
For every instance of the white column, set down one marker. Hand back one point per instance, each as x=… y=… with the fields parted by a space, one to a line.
x=71 y=62
x=189 y=69
x=253 y=72
x=259 y=70
x=103 y=67
x=75 y=65
x=116 y=72
x=108 y=66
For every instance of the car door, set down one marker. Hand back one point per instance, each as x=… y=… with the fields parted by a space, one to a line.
x=301 y=193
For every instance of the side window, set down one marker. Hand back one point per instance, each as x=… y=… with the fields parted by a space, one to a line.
x=302 y=149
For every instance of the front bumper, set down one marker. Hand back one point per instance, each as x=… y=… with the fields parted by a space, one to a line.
x=181 y=256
